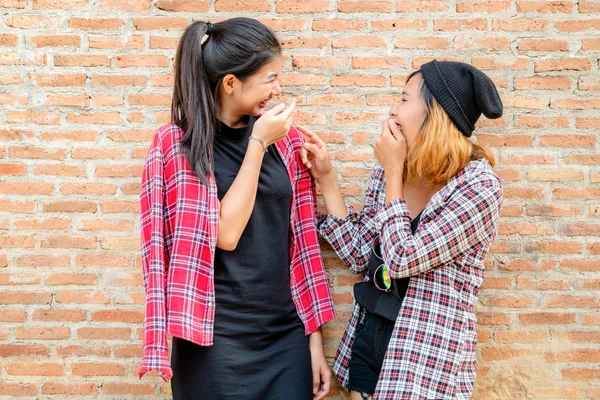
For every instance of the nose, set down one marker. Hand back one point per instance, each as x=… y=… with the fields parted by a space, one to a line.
x=394 y=110
x=276 y=90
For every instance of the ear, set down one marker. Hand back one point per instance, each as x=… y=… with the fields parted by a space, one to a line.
x=229 y=83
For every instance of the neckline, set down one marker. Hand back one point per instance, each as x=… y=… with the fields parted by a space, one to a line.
x=235 y=134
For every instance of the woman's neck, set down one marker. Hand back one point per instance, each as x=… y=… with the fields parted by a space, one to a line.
x=232 y=119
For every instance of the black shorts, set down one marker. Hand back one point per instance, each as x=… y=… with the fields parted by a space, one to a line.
x=370 y=344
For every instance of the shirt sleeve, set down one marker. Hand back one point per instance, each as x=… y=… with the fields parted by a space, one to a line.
x=352 y=237
x=152 y=194
x=321 y=308
x=467 y=221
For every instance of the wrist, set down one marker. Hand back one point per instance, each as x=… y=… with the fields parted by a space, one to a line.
x=261 y=141
x=328 y=178
x=315 y=340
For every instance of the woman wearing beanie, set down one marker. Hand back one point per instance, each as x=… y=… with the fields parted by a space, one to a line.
x=428 y=221
x=230 y=252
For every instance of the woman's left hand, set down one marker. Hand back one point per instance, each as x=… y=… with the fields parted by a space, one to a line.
x=391 y=147
x=320 y=372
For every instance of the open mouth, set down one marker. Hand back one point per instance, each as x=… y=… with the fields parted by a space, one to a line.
x=263 y=103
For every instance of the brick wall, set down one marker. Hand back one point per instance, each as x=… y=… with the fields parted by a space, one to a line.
x=84 y=84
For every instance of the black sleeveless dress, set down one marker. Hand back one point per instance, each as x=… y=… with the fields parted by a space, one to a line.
x=260 y=350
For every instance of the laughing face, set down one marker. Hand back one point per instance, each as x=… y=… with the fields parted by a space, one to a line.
x=256 y=91
x=410 y=113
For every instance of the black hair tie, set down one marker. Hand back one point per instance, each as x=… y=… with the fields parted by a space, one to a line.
x=209 y=28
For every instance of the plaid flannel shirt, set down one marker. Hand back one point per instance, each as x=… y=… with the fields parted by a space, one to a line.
x=179 y=223
x=431 y=354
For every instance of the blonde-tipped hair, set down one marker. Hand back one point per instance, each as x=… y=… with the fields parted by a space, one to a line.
x=440 y=150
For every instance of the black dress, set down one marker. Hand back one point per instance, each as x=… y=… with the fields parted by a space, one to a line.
x=260 y=350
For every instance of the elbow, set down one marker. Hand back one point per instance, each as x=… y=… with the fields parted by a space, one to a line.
x=228 y=242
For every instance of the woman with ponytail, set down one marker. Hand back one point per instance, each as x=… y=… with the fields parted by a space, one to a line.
x=428 y=221
x=230 y=254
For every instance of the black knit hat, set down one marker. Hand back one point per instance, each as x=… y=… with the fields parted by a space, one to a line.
x=463 y=91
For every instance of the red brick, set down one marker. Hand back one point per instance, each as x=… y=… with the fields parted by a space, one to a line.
x=546 y=45
x=141 y=60
x=73 y=389
x=398 y=24
x=108 y=42
x=378 y=62
x=81 y=60
x=544 y=6
x=335 y=25
x=81 y=297
x=128 y=388
x=319 y=61
x=298 y=6
x=445 y=25
x=161 y=23
x=421 y=5
x=30 y=21
x=422 y=42
x=359 y=6
x=56 y=41
x=357 y=42
x=45 y=333
x=574 y=356
x=35 y=369
x=520 y=25
x=546 y=318
x=358 y=80
x=59 y=4
x=97 y=369
x=562 y=64
x=130 y=5
x=17 y=389
x=96 y=23
x=104 y=333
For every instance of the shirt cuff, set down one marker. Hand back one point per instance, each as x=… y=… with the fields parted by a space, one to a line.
x=156 y=361
x=327 y=223
x=394 y=209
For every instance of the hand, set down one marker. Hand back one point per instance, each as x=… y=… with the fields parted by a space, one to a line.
x=390 y=147
x=321 y=373
x=275 y=123
x=314 y=154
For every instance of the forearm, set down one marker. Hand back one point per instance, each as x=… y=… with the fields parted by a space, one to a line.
x=316 y=340
x=332 y=195
x=394 y=185
x=236 y=206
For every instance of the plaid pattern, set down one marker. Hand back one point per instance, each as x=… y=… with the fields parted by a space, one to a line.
x=179 y=222
x=431 y=354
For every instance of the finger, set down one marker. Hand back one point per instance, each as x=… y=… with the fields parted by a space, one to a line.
x=276 y=110
x=394 y=129
x=326 y=378
x=312 y=148
x=290 y=109
x=305 y=132
x=316 y=380
x=304 y=156
x=313 y=137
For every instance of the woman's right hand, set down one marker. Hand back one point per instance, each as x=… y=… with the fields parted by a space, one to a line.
x=314 y=155
x=275 y=124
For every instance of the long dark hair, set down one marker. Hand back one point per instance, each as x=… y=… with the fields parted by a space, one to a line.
x=238 y=46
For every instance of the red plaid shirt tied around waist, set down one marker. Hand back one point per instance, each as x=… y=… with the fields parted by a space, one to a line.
x=179 y=223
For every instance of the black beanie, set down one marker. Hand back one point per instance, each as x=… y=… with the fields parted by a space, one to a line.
x=463 y=91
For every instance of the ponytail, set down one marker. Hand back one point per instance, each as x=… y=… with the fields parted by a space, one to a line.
x=193 y=107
